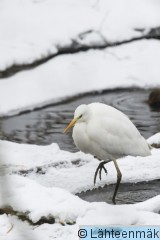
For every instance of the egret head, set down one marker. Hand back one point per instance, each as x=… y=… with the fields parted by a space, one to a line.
x=81 y=114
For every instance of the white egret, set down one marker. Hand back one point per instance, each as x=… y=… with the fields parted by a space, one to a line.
x=107 y=134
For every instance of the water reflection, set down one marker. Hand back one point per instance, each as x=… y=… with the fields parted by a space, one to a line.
x=46 y=125
x=128 y=192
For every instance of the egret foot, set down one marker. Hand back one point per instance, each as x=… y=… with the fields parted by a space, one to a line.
x=119 y=177
x=99 y=170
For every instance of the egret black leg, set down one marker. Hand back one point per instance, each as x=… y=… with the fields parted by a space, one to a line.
x=119 y=177
x=99 y=170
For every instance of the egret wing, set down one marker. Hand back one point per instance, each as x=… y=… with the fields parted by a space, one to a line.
x=116 y=137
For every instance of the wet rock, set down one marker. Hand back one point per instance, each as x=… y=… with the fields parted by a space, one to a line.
x=155 y=33
x=154 y=98
x=24 y=216
x=155 y=145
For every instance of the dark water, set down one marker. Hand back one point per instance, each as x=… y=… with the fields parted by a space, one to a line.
x=128 y=193
x=46 y=125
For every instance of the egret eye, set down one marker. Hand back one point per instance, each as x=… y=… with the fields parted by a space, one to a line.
x=80 y=116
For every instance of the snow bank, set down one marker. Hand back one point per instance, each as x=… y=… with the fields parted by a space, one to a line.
x=39 y=181
x=154 y=140
x=152 y=205
x=105 y=214
x=25 y=192
x=53 y=167
x=24 y=231
x=36 y=202
x=63 y=24
x=99 y=213
x=134 y=64
x=32 y=30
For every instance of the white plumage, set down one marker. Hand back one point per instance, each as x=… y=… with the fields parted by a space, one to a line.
x=106 y=133
x=103 y=131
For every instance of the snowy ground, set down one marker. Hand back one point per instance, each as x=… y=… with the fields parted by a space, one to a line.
x=38 y=183
x=53 y=167
x=35 y=29
x=58 y=24
x=133 y=64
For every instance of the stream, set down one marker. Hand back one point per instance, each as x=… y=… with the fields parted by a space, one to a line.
x=46 y=125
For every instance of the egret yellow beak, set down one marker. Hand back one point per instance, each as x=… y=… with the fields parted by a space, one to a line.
x=71 y=124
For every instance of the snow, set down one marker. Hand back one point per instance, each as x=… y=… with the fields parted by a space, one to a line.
x=53 y=167
x=34 y=201
x=134 y=64
x=152 y=205
x=50 y=195
x=67 y=207
x=22 y=230
x=95 y=23
x=40 y=182
x=104 y=214
x=154 y=139
x=22 y=194
x=33 y=30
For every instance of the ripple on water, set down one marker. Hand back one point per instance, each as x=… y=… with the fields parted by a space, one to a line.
x=46 y=125
x=128 y=193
